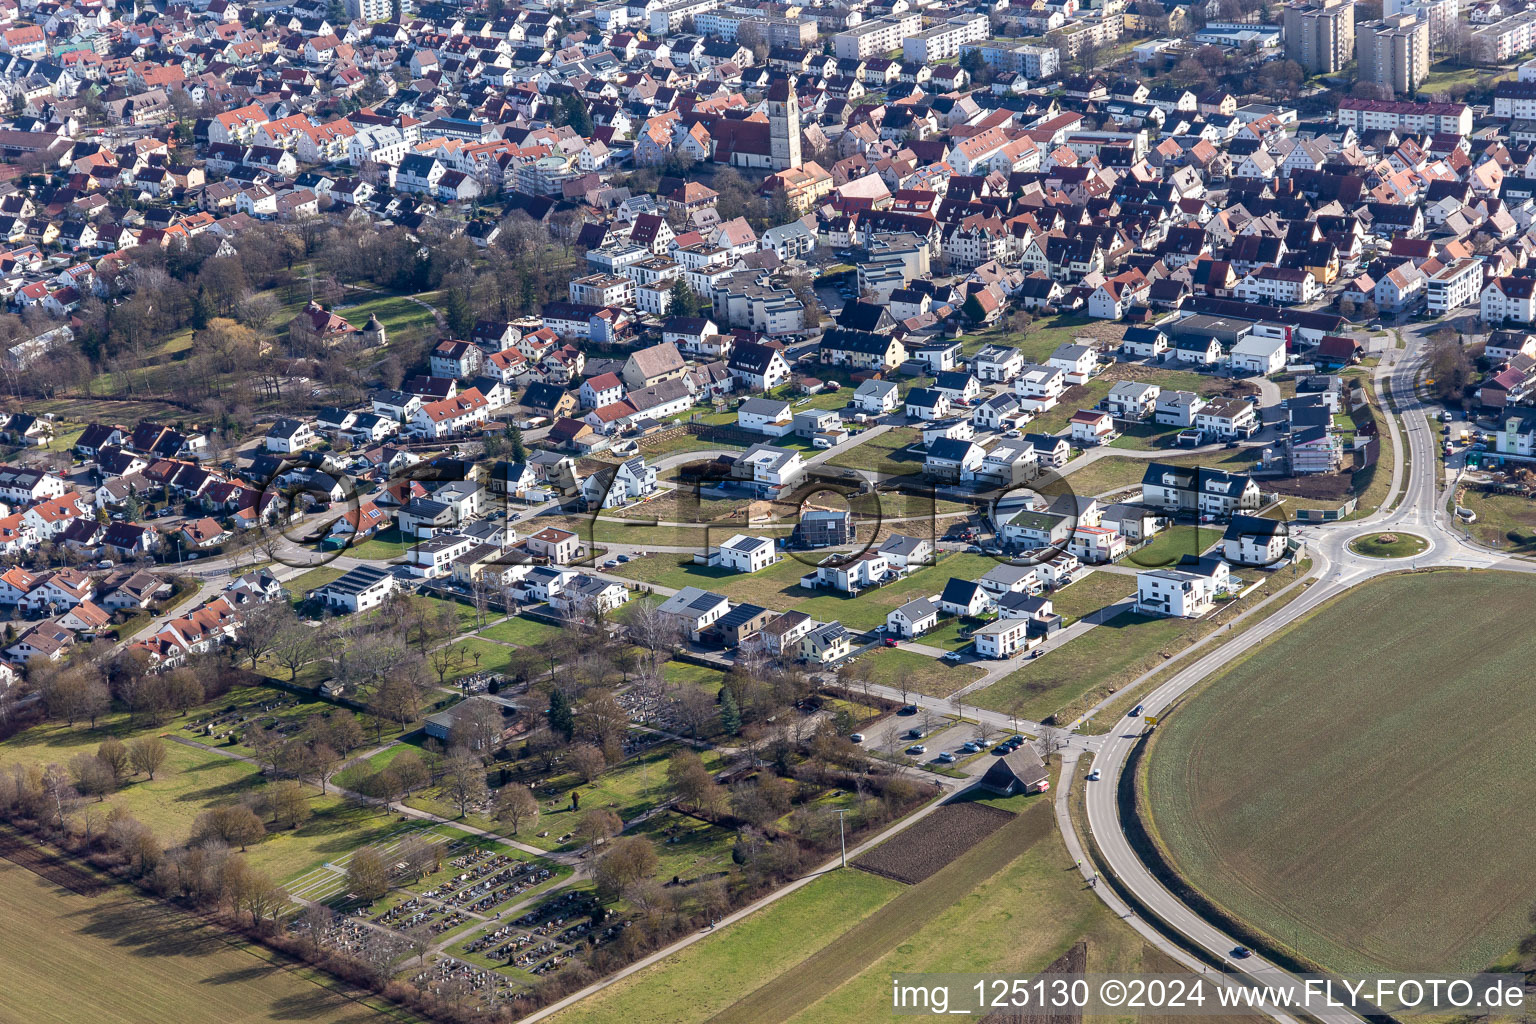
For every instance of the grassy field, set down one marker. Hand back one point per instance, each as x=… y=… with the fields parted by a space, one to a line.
x=523 y=632
x=1079 y=396
x=922 y=673
x=1284 y=790
x=1068 y=680
x=195 y=779
x=1389 y=545
x=879 y=453
x=304 y=582
x=628 y=789
x=121 y=960
x=385 y=545
x=1016 y=883
x=1116 y=651
x=1504 y=521
x=1173 y=544
x=694 y=984
x=1090 y=593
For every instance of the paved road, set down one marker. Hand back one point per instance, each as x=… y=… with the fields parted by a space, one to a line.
x=1415 y=504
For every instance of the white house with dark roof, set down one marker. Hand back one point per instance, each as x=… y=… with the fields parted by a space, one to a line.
x=913 y=619
x=876 y=397
x=357 y=590
x=747 y=554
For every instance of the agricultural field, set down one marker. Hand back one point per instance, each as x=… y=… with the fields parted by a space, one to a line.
x=1282 y=788
x=118 y=959
x=930 y=845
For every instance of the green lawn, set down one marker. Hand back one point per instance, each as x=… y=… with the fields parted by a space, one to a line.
x=1079 y=396
x=1145 y=437
x=193 y=780
x=492 y=658
x=1043 y=337
x=686 y=847
x=931 y=676
x=682 y=673
x=1116 y=651
x=1390 y=545
x=521 y=631
x=301 y=584
x=1373 y=775
x=1173 y=544
x=386 y=545
x=699 y=981
x=1090 y=593
x=1504 y=521
x=880 y=454
x=628 y=789
x=395 y=312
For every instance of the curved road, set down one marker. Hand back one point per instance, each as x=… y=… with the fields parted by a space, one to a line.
x=1336 y=568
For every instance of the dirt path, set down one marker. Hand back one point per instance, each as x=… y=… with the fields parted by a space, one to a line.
x=866 y=942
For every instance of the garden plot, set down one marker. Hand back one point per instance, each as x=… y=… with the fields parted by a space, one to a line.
x=932 y=843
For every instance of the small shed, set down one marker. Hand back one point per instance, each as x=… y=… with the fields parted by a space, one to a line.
x=1018 y=771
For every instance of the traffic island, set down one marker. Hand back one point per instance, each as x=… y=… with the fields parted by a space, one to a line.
x=1389 y=545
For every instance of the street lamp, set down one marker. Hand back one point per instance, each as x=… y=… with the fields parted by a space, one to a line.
x=842 y=813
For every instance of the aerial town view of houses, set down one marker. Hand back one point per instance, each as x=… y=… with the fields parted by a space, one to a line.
x=665 y=511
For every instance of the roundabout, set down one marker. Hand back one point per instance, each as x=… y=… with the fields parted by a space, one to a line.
x=1392 y=544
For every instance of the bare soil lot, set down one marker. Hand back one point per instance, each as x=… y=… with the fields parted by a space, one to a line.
x=933 y=842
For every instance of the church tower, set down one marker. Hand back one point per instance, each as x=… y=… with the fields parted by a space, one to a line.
x=783 y=124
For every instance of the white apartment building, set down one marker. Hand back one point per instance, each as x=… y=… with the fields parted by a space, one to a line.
x=1401 y=115
x=1183 y=595
x=1455 y=286
x=1509 y=299
x=872 y=38
x=944 y=40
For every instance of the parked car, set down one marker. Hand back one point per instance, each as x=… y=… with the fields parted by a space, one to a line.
x=917 y=748
x=952 y=656
x=857 y=737
x=890 y=641
x=945 y=758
